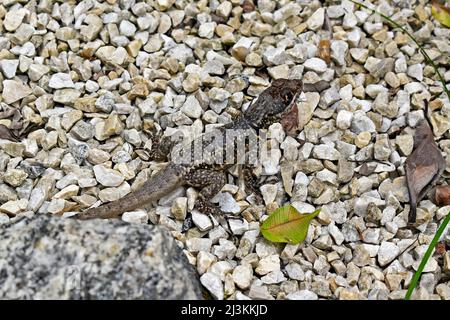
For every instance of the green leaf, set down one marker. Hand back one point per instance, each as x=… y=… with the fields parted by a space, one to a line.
x=441 y=13
x=286 y=224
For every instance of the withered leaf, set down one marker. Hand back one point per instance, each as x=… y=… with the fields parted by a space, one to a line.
x=17 y=128
x=442 y=195
x=324 y=50
x=26 y=128
x=423 y=166
x=327 y=24
x=16 y=123
x=8 y=113
x=290 y=121
x=5 y=133
x=248 y=6
x=440 y=248
x=324 y=46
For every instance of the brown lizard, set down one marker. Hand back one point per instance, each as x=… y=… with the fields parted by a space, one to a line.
x=208 y=173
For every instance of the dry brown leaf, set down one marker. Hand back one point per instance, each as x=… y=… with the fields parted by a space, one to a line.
x=440 y=248
x=8 y=113
x=423 y=166
x=442 y=195
x=290 y=121
x=324 y=51
x=324 y=46
x=327 y=24
x=5 y=133
x=248 y=6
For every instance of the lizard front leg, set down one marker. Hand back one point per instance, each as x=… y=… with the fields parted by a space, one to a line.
x=252 y=184
x=161 y=146
x=211 y=182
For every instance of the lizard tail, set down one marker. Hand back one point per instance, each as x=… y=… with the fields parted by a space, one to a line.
x=153 y=189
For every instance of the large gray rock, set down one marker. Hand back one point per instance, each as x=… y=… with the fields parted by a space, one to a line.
x=48 y=257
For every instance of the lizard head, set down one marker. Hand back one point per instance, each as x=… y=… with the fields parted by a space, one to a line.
x=274 y=103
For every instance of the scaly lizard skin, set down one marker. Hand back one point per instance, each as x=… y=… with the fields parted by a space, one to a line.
x=209 y=173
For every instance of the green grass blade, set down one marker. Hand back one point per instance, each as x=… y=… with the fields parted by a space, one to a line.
x=426 y=256
x=421 y=49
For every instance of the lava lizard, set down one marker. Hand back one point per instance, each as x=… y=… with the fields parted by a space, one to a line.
x=272 y=105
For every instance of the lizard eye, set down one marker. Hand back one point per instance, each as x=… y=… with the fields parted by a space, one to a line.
x=287 y=96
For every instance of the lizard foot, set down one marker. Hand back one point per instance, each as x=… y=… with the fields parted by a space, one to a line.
x=210 y=182
x=161 y=146
x=207 y=207
x=252 y=184
x=202 y=206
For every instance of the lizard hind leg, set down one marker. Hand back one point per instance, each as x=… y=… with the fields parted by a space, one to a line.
x=210 y=183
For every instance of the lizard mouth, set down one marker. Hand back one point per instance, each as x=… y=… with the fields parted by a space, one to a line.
x=289 y=121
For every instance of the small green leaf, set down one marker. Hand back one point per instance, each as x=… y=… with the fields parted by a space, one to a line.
x=441 y=13
x=286 y=224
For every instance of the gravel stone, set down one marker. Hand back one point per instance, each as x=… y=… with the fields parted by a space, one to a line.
x=9 y=68
x=302 y=295
x=326 y=152
x=139 y=216
x=268 y=264
x=213 y=284
x=60 y=81
x=315 y=64
x=387 y=252
x=14 y=90
x=13 y=18
x=315 y=21
x=344 y=119
x=107 y=177
x=242 y=276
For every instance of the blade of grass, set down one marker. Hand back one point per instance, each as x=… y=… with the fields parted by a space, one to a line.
x=421 y=49
x=426 y=256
